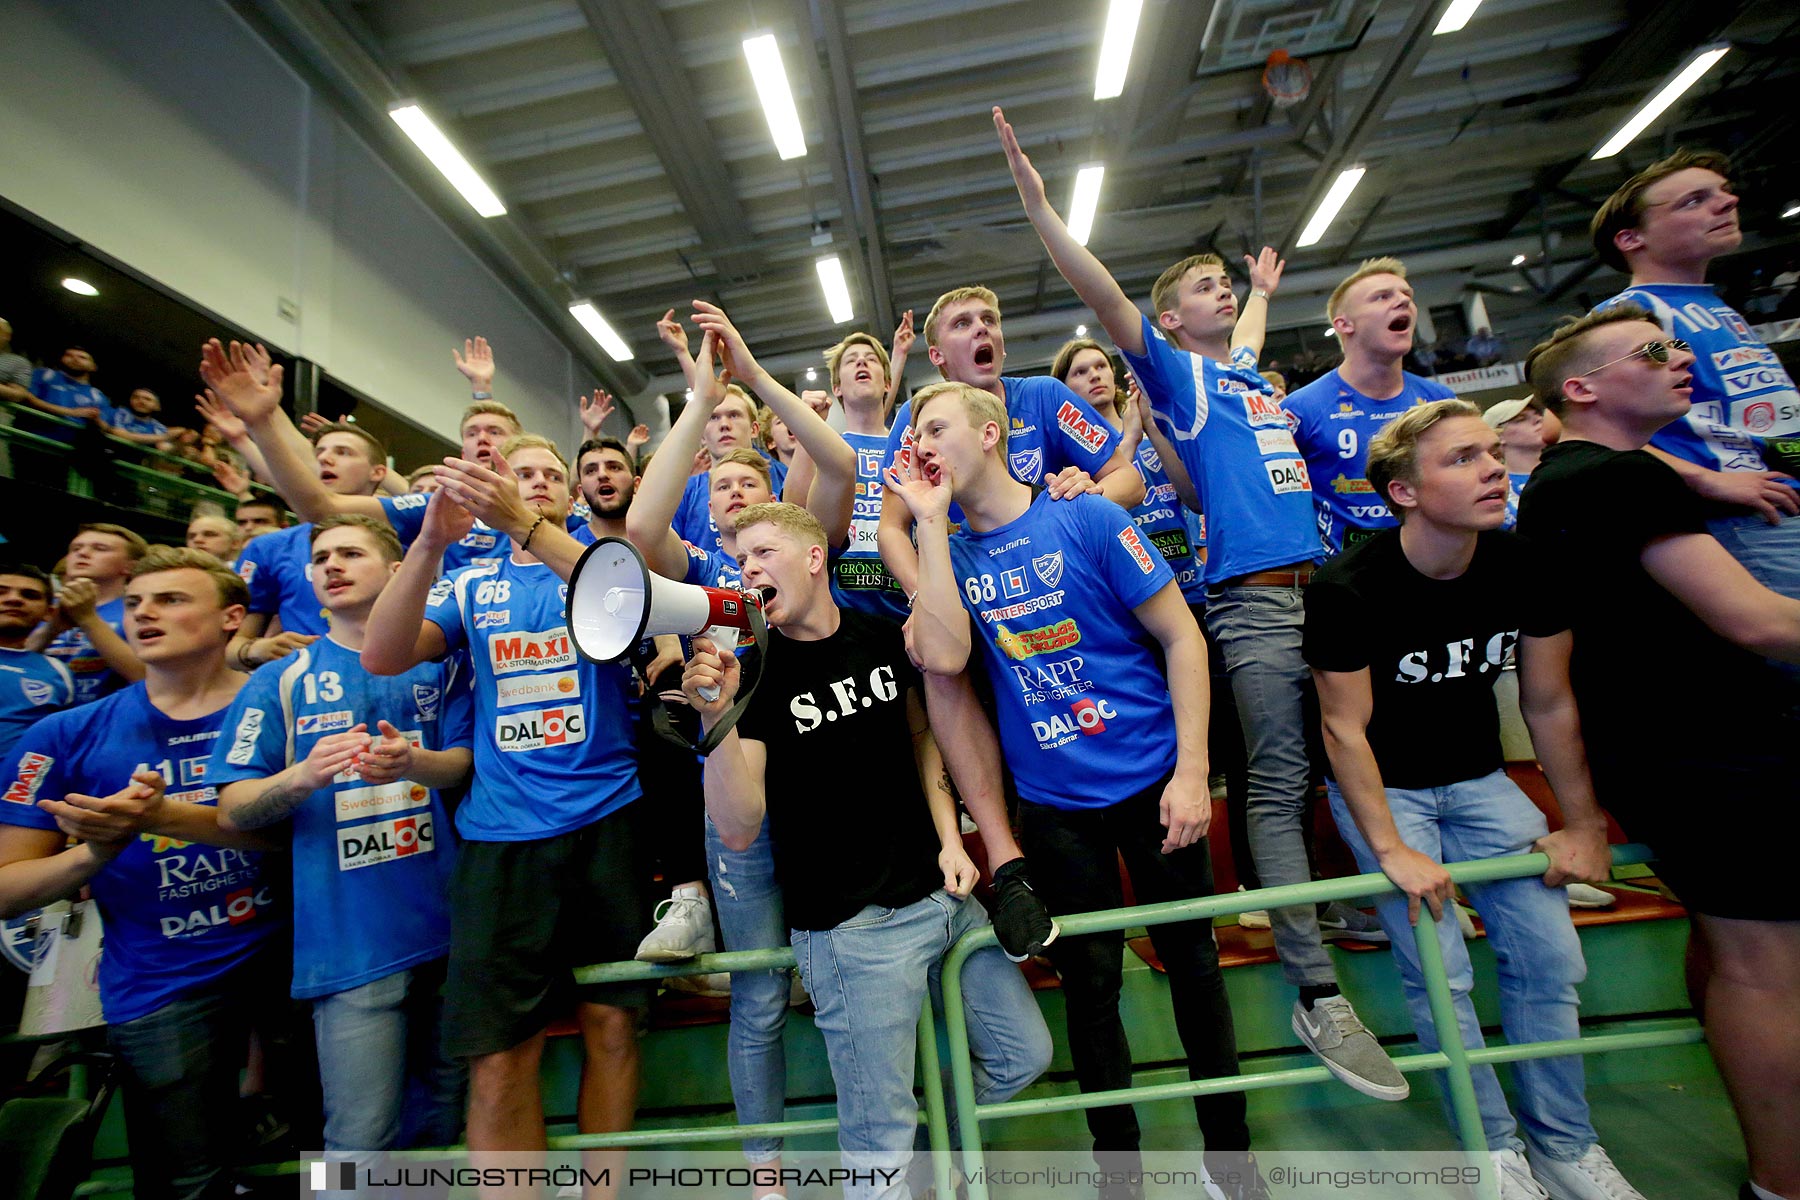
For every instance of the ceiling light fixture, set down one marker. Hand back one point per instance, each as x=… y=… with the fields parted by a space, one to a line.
x=837 y=289
x=764 y=56
x=80 y=287
x=1791 y=211
x=1086 y=201
x=447 y=159
x=1456 y=16
x=1081 y=331
x=1518 y=260
x=1329 y=207
x=1115 y=47
x=600 y=331
x=1652 y=108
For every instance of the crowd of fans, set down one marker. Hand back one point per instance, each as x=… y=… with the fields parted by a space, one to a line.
x=995 y=599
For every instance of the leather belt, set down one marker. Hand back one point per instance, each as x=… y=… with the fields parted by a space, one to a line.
x=1294 y=577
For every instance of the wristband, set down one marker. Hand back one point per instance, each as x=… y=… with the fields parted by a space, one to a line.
x=1259 y=292
x=481 y=395
x=529 y=533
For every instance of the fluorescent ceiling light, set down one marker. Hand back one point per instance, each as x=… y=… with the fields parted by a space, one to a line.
x=837 y=289
x=1328 y=207
x=777 y=98
x=1081 y=331
x=1456 y=16
x=596 y=325
x=1086 y=201
x=1661 y=99
x=1518 y=260
x=80 y=287
x=1115 y=47
x=447 y=159
x=1792 y=210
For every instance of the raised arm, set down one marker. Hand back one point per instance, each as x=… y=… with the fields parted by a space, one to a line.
x=1253 y=318
x=940 y=625
x=1123 y=323
x=649 y=523
x=734 y=774
x=399 y=637
x=676 y=339
x=1346 y=704
x=904 y=337
x=833 y=490
x=492 y=494
x=1577 y=851
x=75 y=607
x=229 y=372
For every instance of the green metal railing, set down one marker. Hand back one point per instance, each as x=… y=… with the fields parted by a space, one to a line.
x=1453 y=1058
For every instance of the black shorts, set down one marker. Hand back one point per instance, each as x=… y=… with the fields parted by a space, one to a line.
x=1710 y=825
x=524 y=915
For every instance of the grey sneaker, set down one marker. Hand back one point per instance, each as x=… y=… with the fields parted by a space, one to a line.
x=1341 y=922
x=683 y=929
x=1333 y=1031
x=1514 y=1177
x=1590 y=1177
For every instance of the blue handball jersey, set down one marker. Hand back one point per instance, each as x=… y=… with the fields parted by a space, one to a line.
x=93 y=678
x=858 y=578
x=1235 y=441
x=693 y=517
x=553 y=738
x=1084 y=711
x=1050 y=429
x=32 y=686
x=178 y=915
x=1333 y=424
x=358 y=848
x=277 y=566
x=129 y=422
x=481 y=544
x=1745 y=414
x=1163 y=521
x=1515 y=487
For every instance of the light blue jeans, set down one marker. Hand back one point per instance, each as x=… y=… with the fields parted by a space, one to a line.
x=1535 y=947
x=386 y=1081
x=868 y=978
x=748 y=902
x=1258 y=632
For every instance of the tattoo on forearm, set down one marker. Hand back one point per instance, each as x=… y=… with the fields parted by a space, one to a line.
x=944 y=784
x=275 y=803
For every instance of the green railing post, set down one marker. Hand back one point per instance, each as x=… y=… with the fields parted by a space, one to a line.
x=1457 y=1076
x=937 y=1122
x=1453 y=1057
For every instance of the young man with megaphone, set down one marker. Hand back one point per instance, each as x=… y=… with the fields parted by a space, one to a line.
x=749 y=910
x=549 y=876
x=839 y=699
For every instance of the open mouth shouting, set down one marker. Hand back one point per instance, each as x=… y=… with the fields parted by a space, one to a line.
x=984 y=356
x=1401 y=323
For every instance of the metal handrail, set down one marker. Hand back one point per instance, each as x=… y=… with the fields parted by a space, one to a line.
x=1453 y=1057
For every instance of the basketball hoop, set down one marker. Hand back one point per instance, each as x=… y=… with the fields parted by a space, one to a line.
x=1286 y=79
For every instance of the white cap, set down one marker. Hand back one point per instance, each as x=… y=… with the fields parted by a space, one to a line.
x=1507 y=410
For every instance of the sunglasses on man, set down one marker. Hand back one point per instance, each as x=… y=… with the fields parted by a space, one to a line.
x=1656 y=352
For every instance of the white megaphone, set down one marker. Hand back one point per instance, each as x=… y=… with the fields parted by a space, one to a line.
x=616 y=601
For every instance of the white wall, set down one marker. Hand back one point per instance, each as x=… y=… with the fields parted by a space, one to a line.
x=167 y=135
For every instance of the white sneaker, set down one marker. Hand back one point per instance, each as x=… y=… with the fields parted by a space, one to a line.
x=1255 y=918
x=1515 y=1178
x=1590 y=1177
x=683 y=928
x=1583 y=896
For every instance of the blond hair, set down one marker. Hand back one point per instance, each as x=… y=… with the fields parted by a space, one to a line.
x=1394 y=452
x=1162 y=292
x=135 y=546
x=492 y=408
x=956 y=296
x=1370 y=266
x=532 y=441
x=231 y=589
x=789 y=518
x=1556 y=359
x=981 y=407
x=373 y=450
x=744 y=456
x=835 y=355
